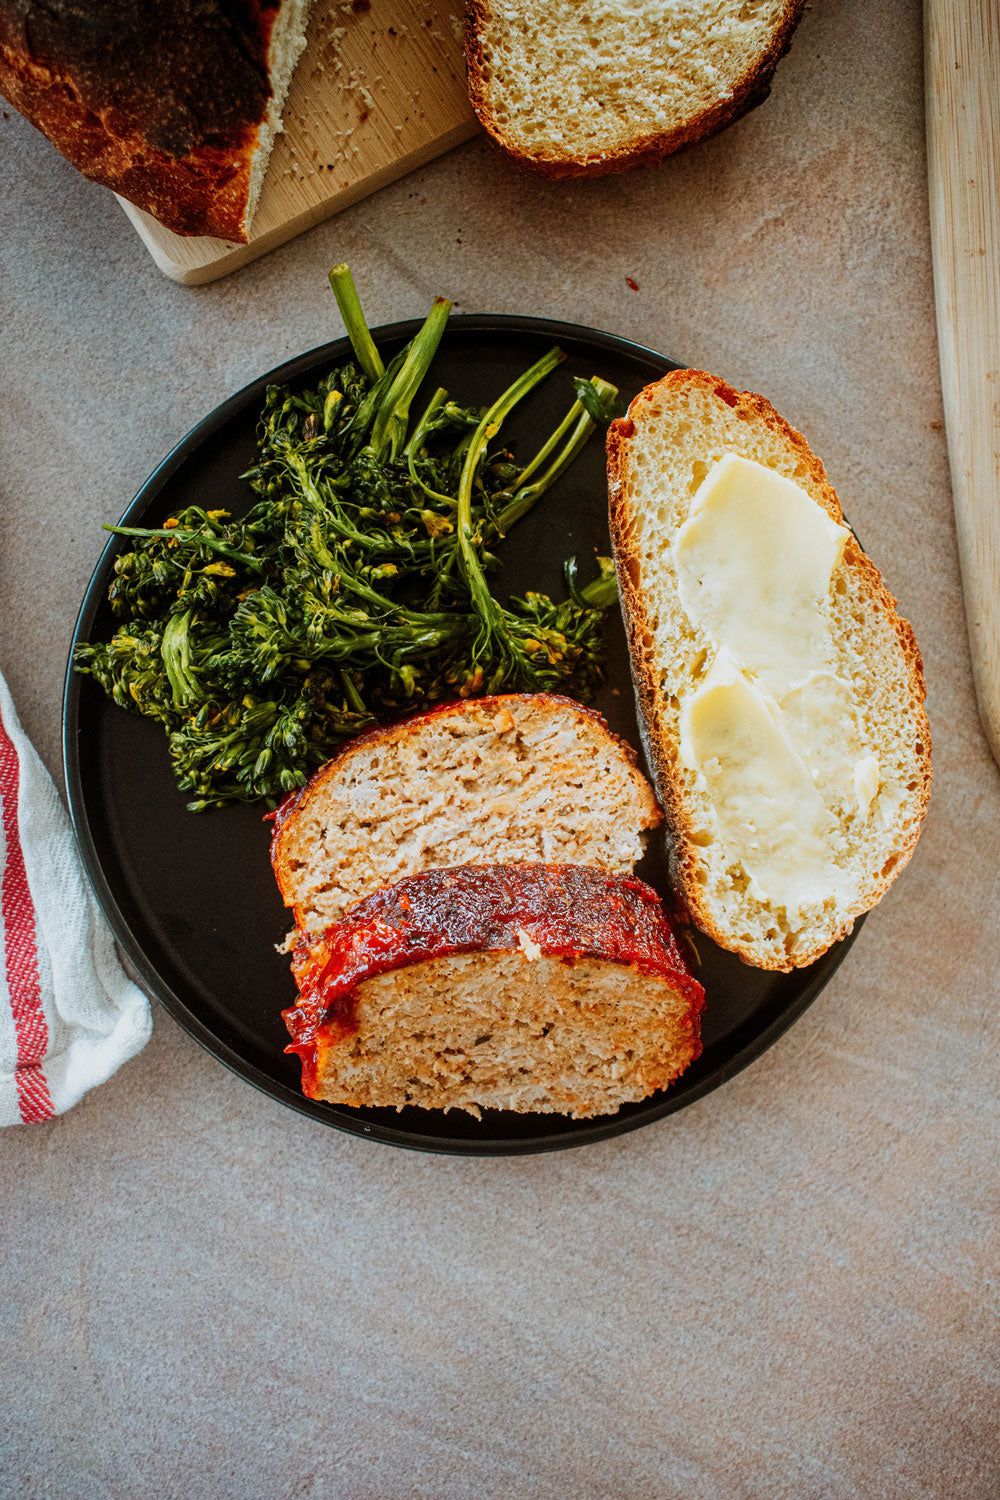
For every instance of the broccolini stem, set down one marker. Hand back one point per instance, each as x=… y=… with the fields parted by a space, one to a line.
x=197 y=538
x=445 y=500
x=582 y=426
x=605 y=391
x=551 y=444
x=389 y=427
x=485 y=605
x=351 y=693
x=349 y=303
x=412 y=448
x=527 y=494
x=439 y=397
x=388 y=610
x=175 y=649
x=602 y=593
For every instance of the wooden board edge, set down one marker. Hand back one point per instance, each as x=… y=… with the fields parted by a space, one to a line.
x=962 y=43
x=187 y=265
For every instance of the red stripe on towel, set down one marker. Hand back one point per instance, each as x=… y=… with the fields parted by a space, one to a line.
x=21 y=950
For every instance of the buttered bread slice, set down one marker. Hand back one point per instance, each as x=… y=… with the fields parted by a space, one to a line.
x=781 y=694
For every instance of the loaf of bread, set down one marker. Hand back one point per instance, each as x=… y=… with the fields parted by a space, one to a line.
x=523 y=987
x=515 y=779
x=173 y=105
x=574 y=89
x=782 y=696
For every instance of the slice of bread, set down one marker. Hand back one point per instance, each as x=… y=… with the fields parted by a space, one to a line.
x=520 y=987
x=658 y=458
x=581 y=87
x=514 y=779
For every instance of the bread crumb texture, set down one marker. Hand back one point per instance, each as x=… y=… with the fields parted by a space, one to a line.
x=288 y=40
x=675 y=431
x=599 y=84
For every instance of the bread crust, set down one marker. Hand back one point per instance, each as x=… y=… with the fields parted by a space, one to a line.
x=646 y=150
x=161 y=103
x=688 y=866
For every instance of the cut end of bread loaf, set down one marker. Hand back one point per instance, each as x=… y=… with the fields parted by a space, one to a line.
x=288 y=40
x=514 y=779
x=523 y=988
x=658 y=458
x=573 y=89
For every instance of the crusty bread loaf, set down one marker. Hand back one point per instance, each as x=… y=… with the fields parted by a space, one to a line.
x=525 y=988
x=658 y=457
x=172 y=105
x=520 y=778
x=573 y=89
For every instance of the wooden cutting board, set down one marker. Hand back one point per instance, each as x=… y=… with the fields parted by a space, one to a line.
x=379 y=90
x=962 y=45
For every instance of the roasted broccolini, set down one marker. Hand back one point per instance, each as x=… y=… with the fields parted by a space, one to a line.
x=355 y=587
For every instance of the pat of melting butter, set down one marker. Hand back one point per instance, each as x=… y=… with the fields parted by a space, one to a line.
x=767 y=805
x=754 y=561
x=772 y=730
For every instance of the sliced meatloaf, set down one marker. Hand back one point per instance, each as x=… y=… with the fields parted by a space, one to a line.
x=518 y=779
x=521 y=987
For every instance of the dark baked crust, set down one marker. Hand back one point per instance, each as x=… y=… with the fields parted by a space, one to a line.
x=645 y=150
x=160 y=102
x=570 y=911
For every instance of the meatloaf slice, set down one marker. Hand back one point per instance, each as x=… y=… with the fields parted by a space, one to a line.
x=517 y=779
x=558 y=989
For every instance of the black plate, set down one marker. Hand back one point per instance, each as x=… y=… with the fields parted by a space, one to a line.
x=191 y=898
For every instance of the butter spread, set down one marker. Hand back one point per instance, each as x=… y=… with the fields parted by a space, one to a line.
x=753 y=563
x=767 y=806
x=772 y=731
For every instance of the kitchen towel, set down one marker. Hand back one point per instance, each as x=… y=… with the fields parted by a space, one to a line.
x=69 y=1017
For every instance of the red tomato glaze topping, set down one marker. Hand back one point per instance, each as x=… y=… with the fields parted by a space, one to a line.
x=570 y=911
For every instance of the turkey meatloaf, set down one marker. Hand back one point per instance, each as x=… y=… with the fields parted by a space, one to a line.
x=516 y=779
x=527 y=988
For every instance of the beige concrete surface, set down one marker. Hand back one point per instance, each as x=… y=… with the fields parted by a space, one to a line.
x=787 y=1290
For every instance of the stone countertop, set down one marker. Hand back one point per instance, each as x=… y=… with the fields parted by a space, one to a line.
x=787 y=1290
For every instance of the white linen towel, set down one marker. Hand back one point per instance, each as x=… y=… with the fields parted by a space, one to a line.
x=69 y=1017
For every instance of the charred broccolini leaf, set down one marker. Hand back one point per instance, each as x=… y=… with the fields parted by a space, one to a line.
x=355 y=587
